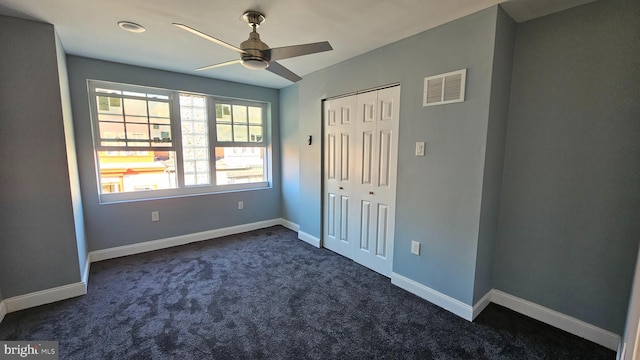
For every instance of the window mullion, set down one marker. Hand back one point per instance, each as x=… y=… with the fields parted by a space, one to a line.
x=124 y=122
x=176 y=124
x=149 y=123
x=213 y=138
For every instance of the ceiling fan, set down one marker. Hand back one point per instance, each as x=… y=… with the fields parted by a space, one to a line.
x=255 y=54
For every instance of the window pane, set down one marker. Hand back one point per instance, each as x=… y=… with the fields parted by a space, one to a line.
x=202 y=167
x=240 y=133
x=200 y=127
x=138 y=132
x=200 y=141
x=255 y=133
x=185 y=100
x=223 y=113
x=138 y=125
x=135 y=171
x=239 y=114
x=109 y=130
x=189 y=166
x=109 y=105
x=203 y=178
x=255 y=115
x=199 y=114
x=186 y=113
x=189 y=179
x=161 y=135
x=239 y=165
x=159 y=109
x=135 y=107
x=224 y=132
x=201 y=153
x=199 y=101
x=195 y=140
x=187 y=142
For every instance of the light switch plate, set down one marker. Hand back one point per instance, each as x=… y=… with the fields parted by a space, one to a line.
x=415 y=247
x=420 y=148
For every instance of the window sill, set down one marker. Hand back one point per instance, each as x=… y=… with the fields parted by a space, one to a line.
x=148 y=195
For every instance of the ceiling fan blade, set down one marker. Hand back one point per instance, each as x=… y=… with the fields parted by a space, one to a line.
x=219 y=65
x=299 y=50
x=280 y=70
x=208 y=37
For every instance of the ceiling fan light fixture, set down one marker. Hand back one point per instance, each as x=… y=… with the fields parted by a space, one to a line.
x=131 y=27
x=255 y=64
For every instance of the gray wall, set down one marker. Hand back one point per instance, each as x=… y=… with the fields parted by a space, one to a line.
x=290 y=153
x=116 y=224
x=72 y=160
x=38 y=248
x=438 y=196
x=494 y=157
x=568 y=229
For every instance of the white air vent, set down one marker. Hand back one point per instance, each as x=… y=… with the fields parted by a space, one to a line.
x=444 y=88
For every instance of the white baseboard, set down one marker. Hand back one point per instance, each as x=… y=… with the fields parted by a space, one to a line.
x=556 y=319
x=3 y=310
x=80 y=288
x=290 y=225
x=446 y=302
x=143 y=247
x=45 y=296
x=309 y=239
x=530 y=309
x=482 y=304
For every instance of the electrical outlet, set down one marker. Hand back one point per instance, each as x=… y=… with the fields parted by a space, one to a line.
x=415 y=248
x=240 y=205
x=155 y=216
x=420 y=148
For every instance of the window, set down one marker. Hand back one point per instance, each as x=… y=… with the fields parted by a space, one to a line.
x=239 y=134
x=154 y=143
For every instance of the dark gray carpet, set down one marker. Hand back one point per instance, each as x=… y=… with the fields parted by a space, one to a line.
x=266 y=295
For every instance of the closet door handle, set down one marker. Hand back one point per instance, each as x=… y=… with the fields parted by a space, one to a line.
x=341 y=188
x=370 y=192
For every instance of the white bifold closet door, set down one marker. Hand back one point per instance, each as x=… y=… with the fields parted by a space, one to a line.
x=360 y=164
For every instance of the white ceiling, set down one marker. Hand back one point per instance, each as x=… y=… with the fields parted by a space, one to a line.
x=353 y=27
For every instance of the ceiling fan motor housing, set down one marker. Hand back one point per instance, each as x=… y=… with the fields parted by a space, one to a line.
x=255 y=55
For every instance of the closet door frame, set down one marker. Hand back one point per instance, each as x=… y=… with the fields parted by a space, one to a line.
x=374 y=123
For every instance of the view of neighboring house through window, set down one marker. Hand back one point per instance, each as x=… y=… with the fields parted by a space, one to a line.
x=169 y=142
x=239 y=129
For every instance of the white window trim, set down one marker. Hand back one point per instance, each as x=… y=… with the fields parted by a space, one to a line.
x=176 y=135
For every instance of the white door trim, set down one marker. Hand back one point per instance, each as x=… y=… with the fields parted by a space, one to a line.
x=343 y=196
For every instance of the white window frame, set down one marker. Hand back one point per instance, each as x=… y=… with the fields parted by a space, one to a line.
x=176 y=135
